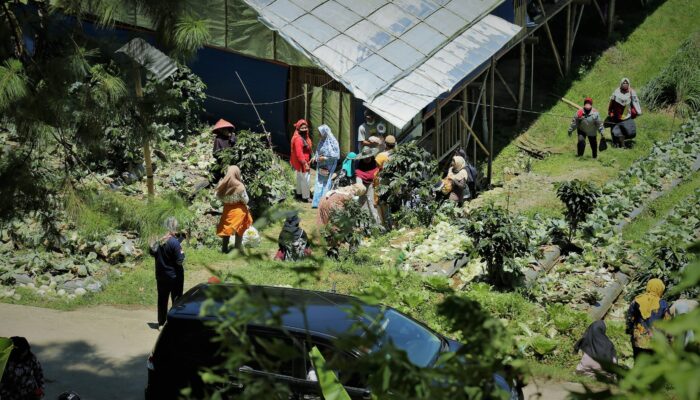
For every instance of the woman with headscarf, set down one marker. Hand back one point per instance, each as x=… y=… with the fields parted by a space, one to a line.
x=366 y=169
x=293 y=241
x=458 y=177
x=646 y=309
x=624 y=107
x=23 y=378
x=326 y=158
x=236 y=218
x=301 y=158
x=597 y=349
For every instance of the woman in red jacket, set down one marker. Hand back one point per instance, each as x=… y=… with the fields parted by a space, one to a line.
x=301 y=157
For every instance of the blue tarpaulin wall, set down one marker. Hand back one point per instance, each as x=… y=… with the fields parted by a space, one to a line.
x=266 y=82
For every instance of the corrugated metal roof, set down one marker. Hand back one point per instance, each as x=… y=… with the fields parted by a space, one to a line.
x=396 y=55
x=157 y=63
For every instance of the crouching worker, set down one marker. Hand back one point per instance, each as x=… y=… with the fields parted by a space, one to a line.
x=598 y=351
x=587 y=124
x=335 y=200
x=293 y=242
x=624 y=107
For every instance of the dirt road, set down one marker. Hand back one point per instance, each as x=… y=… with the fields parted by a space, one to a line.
x=101 y=352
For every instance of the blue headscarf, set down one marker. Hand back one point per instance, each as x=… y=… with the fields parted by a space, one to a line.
x=347 y=164
x=328 y=145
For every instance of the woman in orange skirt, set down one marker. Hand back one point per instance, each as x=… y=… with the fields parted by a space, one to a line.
x=236 y=217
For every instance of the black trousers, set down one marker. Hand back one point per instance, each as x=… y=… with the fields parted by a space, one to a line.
x=168 y=287
x=581 y=147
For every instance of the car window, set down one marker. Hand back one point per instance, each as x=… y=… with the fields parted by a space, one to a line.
x=421 y=345
x=277 y=354
x=339 y=362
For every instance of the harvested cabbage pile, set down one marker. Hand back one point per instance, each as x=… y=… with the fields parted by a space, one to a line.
x=444 y=242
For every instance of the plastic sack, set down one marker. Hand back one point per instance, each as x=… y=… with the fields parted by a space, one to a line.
x=251 y=238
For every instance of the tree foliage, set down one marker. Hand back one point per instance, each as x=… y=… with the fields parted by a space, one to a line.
x=348 y=225
x=67 y=96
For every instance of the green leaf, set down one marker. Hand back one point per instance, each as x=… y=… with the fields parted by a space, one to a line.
x=331 y=388
x=5 y=350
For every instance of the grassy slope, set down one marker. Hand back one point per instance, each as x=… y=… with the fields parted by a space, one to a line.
x=657 y=210
x=640 y=57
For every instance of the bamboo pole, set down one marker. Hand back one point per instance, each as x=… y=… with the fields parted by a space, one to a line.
x=567 y=41
x=493 y=95
x=578 y=23
x=600 y=12
x=476 y=138
x=521 y=83
x=532 y=73
x=148 y=163
x=510 y=92
x=551 y=39
x=611 y=17
x=465 y=112
x=438 y=122
x=484 y=116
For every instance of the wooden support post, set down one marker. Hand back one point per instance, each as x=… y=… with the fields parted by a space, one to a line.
x=600 y=13
x=521 y=84
x=532 y=73
x=510 y=92
x=476 y=138
x=611 y=17
x=493 y=95
x=465 y=113
x=578 y=23
x=484 y=116
x=438 y=122
x=551 y=39
x=567 y=41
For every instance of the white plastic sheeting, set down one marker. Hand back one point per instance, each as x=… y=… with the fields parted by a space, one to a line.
x=396 y=55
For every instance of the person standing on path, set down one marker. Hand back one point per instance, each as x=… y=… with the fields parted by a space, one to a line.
x=587 y=124
x=326 y=157
x=236 y=218
x=370 y=128
x=623 y=108
x=301 y=159
x=23 y=378
x=645 y=310
x=170 y=272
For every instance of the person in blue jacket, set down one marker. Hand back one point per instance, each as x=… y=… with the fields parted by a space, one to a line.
x=170 y=273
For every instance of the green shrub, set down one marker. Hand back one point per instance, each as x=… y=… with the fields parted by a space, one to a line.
x=348 y=225
x=580 y=199
x=132 y=214
x=678 y=84
x=498 y=240
x=406 y=183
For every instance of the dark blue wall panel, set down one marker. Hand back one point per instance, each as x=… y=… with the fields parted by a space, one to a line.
x=506 y=11
x=266 y=82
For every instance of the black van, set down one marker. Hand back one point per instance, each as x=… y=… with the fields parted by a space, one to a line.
x=185 y=345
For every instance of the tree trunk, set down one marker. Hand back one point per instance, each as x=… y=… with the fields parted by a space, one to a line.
x=146 y=143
